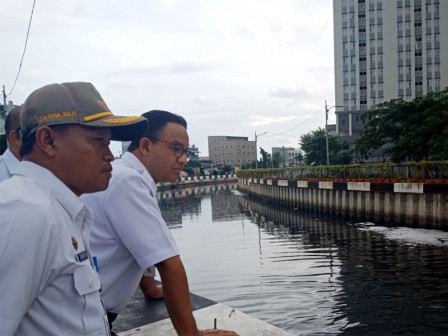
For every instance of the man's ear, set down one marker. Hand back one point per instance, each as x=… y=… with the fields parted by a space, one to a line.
x=14 y=138
x=45 y=140
x=145 y=145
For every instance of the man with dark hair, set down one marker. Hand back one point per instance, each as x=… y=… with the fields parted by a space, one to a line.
x=48 y=284
x=11 y=158
x=129 y=234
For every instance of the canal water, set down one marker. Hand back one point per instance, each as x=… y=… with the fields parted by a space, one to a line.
x=307 y=273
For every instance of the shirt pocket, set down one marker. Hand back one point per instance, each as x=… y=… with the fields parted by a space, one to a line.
x=87 y=285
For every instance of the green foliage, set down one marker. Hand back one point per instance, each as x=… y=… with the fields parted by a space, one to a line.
x=3 y=144
x=265 y=161
x=408 y=172
x=193 y=164
x=227 y=169
x=411 y=131
x=315 y=148
x=277 y=160
x=189 y=171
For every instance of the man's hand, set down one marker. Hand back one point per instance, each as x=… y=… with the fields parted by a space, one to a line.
x=150 y=289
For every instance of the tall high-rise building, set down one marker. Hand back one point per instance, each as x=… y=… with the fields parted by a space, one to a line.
x=386 y=49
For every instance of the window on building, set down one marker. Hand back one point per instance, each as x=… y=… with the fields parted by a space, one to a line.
x=400 y=70
x=428 y=82
x=428 y=24
x=380 y=43
x=436 y=37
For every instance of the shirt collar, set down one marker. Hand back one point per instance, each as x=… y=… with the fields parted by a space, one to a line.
x=135 y=163
x=11 y=161
x=46 y=179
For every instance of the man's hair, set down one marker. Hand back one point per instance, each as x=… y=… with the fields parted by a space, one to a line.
x=157 y=120
x=12 y=121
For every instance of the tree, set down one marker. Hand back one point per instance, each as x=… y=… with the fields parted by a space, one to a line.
x=409 y=131
x=315 y=148
x=265 y=161
x=227 y=169
x=277 y=160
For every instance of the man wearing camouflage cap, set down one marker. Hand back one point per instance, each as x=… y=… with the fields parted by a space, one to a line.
x=48 y=284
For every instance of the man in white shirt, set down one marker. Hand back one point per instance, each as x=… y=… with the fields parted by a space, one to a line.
x=47 y=282
x=11 y=158
x=129 y=234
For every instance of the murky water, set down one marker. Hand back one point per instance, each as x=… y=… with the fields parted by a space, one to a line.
x=307 y=273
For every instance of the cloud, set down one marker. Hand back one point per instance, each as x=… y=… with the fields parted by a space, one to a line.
x=203 y=101
x=262 y=120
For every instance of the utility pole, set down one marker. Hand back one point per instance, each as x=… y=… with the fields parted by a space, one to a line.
x=284 y=157
x=3 y=113
x=256 y=147
x=326 y=129
x=326 y=132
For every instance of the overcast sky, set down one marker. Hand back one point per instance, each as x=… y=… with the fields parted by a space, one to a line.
x=230 y=67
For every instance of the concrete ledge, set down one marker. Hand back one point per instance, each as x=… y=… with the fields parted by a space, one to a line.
x=226 y=318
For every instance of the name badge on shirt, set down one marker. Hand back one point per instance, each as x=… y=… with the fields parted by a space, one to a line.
x=81 y=256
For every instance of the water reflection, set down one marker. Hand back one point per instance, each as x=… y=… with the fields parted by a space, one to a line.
x=306 y=273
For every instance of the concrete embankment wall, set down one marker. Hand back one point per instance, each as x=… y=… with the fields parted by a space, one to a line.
x=197 y=181
x=405 y=204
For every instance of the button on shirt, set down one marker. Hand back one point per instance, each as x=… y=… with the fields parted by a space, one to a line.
x=129 y=233
x=45 y=288
x=8 y=165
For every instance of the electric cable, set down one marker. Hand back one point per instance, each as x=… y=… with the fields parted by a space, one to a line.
x=24 y=49
x=303 y=122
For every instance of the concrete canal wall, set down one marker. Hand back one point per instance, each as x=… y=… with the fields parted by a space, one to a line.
x=405 y=204
x=197 y=181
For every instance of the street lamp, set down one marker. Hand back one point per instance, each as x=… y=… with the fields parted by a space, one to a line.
x=256 y=148
x=326 y=129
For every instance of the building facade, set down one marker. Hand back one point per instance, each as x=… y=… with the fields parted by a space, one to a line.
x=290 y=155
x=231 y=150
x=4 y=110
x=386 y=49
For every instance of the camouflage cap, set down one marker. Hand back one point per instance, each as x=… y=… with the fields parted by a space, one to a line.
x=75 y=103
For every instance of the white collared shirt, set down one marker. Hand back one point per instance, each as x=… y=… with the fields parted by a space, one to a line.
x=8 y=165
x=45 y=288
x=129 y=233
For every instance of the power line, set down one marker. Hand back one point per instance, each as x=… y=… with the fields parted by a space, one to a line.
x=303 y=122
x=24 y=49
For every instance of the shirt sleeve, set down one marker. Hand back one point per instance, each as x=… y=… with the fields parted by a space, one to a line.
x=135 y=216
x=27 y=248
